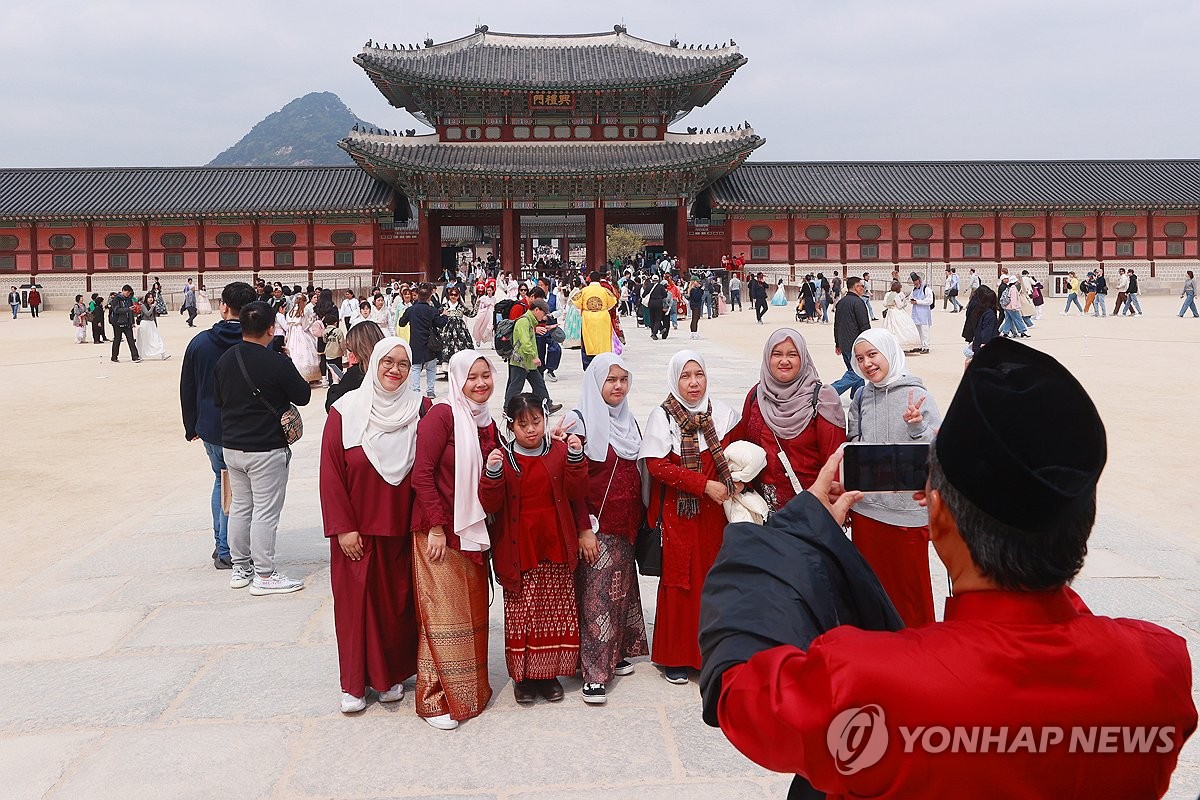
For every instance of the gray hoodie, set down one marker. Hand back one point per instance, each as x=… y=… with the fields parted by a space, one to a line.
x=876 y=415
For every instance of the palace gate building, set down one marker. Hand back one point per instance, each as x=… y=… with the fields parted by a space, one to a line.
x=522 y=138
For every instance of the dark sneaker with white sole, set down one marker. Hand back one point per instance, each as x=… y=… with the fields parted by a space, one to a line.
x=623 y=667
x=676 y=674
x=594 y=693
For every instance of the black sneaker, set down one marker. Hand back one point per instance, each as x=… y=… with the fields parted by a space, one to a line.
x=223 y=563
x=677 y=675
x=594 y=693
x=553 y=408
x=623 y=667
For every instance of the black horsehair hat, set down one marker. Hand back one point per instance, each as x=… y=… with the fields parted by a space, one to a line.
x=1022 y=439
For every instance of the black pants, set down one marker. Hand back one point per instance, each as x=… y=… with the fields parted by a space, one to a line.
x=98 y=331
x=34 y=311
x=516 y=383
x=191 y=312
x=659 y=321
x=760 y=308
x=695 y=317
x=277 y=344
x=127 y=332
x=347 y=321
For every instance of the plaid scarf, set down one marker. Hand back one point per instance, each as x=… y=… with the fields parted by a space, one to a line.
x=690 y=426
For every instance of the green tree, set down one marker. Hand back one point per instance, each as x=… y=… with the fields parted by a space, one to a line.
x=622 y=242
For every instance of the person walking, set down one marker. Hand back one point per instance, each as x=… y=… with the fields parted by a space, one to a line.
x=1122 y=290
x=536 y=490
x=758 y=296
x=422 y=320
x=1189 y=295
x=189 y=303
x=524 y=362
x=611 y=629
x=695 y=305
x=850 y=318
x=982 y=322
x=1132 y=304
x=1010 y=301
x=891 y=530
x=921 y=299
x=14 y=301
x=897 y=318
x=950 y=292
x=349 y=308
x=252 y=386
x=121 y=318
x=594 y=304
x=79 y=319
x=1100 y=284
x=450 y=542
x=792 y=416
x=367 y=453
x=657 y=300
x=1072 y=295
x=35 y=301
x=96 y=315
x=735 y=292
x=149 y=341
x=201 y=417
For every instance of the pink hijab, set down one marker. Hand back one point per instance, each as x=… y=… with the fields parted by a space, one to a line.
x=787 y=408
x=470 y=520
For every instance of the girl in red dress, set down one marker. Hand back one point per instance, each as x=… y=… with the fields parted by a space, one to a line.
x=612 y=629
x=683 y=449
x=793 y=416
x=537 y=490
x=450 y=538
x=367 y=454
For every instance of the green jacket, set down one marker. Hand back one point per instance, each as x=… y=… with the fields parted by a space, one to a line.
x=524 y=342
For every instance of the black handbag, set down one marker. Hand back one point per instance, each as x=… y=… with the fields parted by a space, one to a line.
x=435 y=344
x=647 y=549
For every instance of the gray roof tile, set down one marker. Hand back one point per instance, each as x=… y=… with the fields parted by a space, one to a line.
x=961 y=184
x=155 y=192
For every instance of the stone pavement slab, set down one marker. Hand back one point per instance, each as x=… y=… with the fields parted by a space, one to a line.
x=30 y=765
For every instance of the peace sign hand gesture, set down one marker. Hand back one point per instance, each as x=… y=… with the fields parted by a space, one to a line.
x=912 y=414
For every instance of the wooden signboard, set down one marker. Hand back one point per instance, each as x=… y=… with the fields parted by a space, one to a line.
x=551 y=101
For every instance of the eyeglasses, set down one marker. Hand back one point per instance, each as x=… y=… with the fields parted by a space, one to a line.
x=390 y=364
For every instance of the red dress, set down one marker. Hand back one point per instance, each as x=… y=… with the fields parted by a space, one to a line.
x=690 y=547
x=807 y=453
x=373 y=612
x=1005 y=661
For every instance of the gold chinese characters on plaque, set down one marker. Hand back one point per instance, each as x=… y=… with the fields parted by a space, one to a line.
x=551 y=101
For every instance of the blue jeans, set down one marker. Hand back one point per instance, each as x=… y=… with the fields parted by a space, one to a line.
x=850 y=380
x=1189 y=302
x=824 y=310
x=1131 y=303
x=735 y=299
x=15 y=307
x=430 y=370
x=1012 y=321
x=216 y=459
x=1098 y=309
x=870 y=311
x=1073 y=297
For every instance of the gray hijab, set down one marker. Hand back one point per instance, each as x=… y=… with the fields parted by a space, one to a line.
x=788 y=407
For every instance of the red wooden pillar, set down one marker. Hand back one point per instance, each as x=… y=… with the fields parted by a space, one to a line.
x=146 y=254
x=1150 y=240
x=681 y=238
x=33 y=251
x=791 y=229
x=597 y=239
x=200 y=251
x=945 y=242
x=895 y=241
x=311 y=232
x=422 y=238
x=564 y=246
x=1049 y=223
x=527 y=248
x=433 y=249
x=510 y=241
x=255 y=254
x=997 y=241
x=842 y=240
x=1100 y=238
x=90 y=257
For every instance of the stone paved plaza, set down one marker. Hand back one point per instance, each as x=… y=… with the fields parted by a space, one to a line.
x=129 y=669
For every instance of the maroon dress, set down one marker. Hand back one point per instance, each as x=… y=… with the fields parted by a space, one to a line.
x=373 y=612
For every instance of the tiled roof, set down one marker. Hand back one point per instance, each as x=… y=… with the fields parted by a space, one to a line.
x=960 y=185
x=586 y=61
x=156 y=192
x=427 y=154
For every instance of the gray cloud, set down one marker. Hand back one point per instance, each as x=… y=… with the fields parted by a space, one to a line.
x=130 y=83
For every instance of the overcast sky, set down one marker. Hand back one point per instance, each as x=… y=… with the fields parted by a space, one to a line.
x=173 y=82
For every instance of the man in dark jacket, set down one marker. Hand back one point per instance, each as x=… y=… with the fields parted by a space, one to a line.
x=253 y=386
x=660 y=318
x=120 y=316
x=201 y=419
x=849 y=320
x=758 y=295
x=421 y=319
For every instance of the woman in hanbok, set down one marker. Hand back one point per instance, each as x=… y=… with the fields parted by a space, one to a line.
x=455 y=336
x=897 y=318
x=300 y=342
x=780 y=298
x=160 y=302
x=203 y=306
x=572 y=322
x=482 y=330
x=404 y=301
x=149 y=342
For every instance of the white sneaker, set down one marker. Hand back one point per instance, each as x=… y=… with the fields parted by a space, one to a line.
x=275 y=583
x=352 y=704
x=240 y=577
x=443 y=722
x=393 y=694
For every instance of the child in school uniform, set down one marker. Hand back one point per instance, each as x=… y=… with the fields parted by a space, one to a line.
x=536 y=488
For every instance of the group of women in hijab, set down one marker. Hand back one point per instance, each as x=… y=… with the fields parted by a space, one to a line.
x=419 y=498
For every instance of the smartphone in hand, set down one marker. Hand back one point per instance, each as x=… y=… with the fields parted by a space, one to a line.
x=885 y=467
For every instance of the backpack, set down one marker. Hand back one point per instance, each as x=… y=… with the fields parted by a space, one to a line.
x=503 y=308
x=503 y=340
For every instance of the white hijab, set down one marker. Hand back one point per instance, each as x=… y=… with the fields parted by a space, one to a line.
x=887 y=345
x=604 y=424
x=470 y=520
x=383 y=423
x=662 y=434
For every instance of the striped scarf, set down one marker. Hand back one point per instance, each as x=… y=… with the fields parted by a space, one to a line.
x=690 y=426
